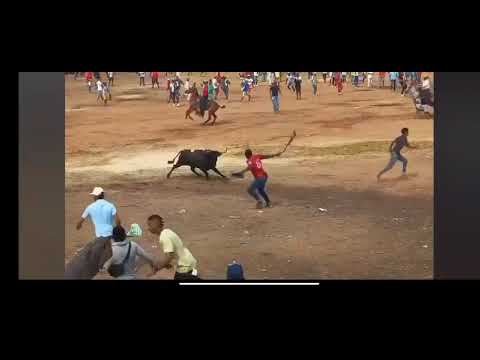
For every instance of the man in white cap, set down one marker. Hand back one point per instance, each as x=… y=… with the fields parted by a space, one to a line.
x=102 y=213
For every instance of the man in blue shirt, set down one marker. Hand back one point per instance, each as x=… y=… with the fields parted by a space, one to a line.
x=393 y=81
x=102 y=214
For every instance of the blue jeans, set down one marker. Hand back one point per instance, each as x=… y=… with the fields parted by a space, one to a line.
x=258 y=188
x=395 y=157
x=276 y=103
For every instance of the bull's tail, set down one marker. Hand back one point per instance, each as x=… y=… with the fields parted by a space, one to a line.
x=172 y=161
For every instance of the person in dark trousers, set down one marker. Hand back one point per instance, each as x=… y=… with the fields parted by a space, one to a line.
x=298 y=87
x=275 y=94
x=174 y=250
x=155 y=75
x=393 y=81
x=381 y=80
x=110 y=78
x=395 y=147
x=314 y=84
x=225 y=86
x=324 y=74
x=403 y=82
x=141 y=75
x=257 y=188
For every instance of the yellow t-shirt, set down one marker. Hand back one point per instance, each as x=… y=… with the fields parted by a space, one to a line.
x=171 y=243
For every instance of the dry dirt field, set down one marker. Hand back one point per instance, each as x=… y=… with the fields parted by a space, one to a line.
x=370 y=230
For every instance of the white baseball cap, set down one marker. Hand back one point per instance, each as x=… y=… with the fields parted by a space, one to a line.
x=97 y=191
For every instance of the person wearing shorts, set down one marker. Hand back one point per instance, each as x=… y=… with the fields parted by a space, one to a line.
x=257 y=188
x=246 y=89
x=89 y=78
x=395 y=147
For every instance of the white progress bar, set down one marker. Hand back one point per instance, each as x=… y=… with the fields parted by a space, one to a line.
x=252 y=283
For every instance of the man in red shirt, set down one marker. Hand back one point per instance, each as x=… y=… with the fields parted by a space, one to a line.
x=89 y=79
x=381 y=79
x=155 y=75
x=257 y=188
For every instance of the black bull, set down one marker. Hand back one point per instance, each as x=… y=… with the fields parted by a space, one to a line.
x=205 y=160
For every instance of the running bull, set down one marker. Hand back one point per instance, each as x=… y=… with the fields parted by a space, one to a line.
x=205 y=160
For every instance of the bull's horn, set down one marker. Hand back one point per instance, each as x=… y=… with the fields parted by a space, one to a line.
x=226 y=149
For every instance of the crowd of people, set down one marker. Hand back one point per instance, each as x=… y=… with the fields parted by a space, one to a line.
x=127 y=254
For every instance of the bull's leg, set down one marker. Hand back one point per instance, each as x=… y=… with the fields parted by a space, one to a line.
x=205 y=172
x=209 y=117
x=219 y=173
x=173 y=168
x=193 y=170
x=214 y=119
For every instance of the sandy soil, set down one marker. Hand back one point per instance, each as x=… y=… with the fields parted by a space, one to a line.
x=371 y=230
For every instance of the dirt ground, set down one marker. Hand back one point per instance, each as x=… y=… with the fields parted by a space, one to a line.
x=370 y=230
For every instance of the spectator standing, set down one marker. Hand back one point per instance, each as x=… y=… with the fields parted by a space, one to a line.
x=314 y=84
x=141 y=76
x=393 y=81
x=381 y=79
x=275 y=94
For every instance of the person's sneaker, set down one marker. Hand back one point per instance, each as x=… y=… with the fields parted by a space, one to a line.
x=268 y=205
x=259 y=205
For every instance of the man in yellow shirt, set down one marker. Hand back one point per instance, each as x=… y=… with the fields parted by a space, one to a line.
x=174 y=250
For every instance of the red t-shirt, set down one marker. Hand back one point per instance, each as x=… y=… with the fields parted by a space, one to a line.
x=205 y=90
x=256 y=167
x=381 y=74
x=154 y=75
x=89 y=75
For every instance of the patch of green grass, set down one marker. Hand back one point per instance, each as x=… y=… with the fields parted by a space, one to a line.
x=339 y=150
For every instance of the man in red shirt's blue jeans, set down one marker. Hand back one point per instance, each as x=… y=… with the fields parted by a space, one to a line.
x=257 y=188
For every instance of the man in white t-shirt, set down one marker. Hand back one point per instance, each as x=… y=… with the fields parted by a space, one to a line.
x=100 y=90
x=110 y=78
x=173 y=248
x=142 y=78
x=369 y=79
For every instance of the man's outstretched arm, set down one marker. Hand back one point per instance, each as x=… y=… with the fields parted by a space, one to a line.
x=270 y=156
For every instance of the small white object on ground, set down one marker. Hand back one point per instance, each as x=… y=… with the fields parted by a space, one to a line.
x=323 y=210
x=234 y=217
x=183 y=211
x=246 y=232
x=425 y=246
x=260 y=211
